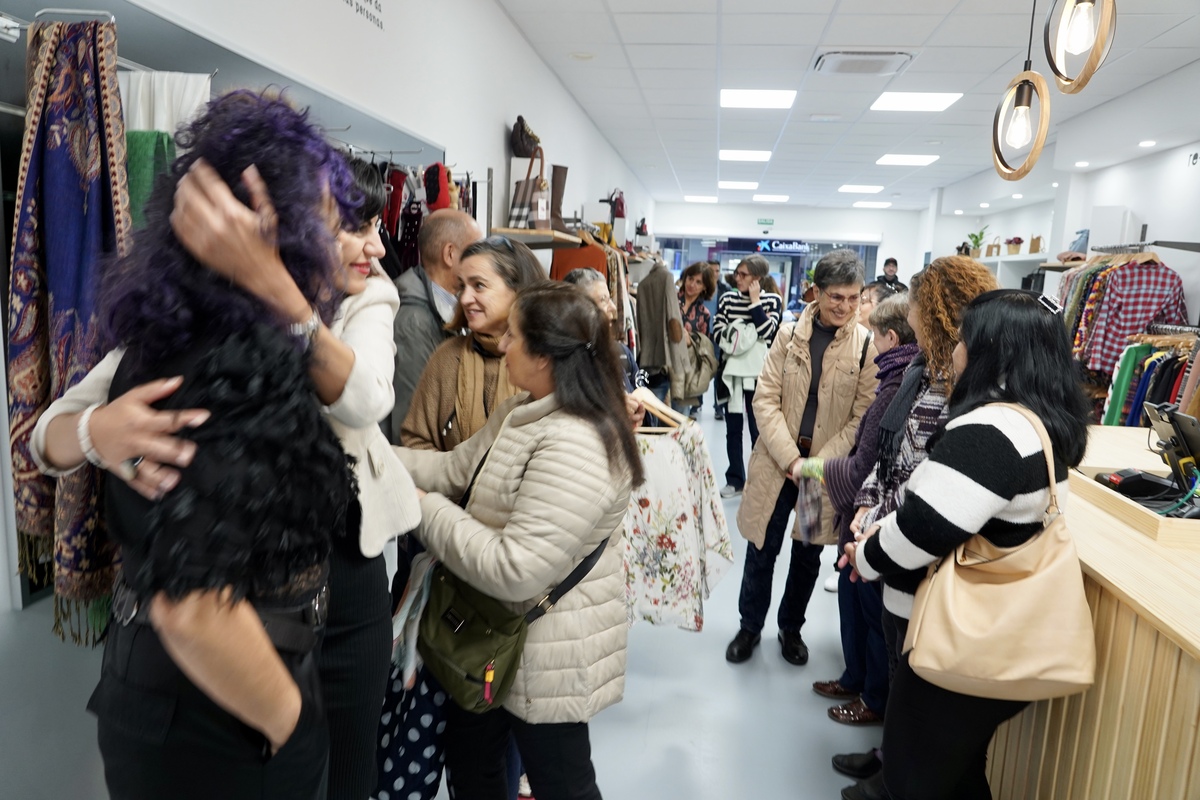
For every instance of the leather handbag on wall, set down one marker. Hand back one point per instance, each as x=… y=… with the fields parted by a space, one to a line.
x=531 y=197
x=524 y=141
x=1007 y=623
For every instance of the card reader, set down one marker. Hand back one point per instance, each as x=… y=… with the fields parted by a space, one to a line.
x=1134 y=483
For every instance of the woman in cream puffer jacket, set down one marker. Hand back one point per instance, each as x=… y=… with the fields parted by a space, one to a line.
x=558 y=462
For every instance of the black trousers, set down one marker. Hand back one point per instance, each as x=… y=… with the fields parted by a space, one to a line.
x=755 y=598
x=735 y=474
x=557 y=756
x=935 y=741
x=161 y=736
x=354 y=661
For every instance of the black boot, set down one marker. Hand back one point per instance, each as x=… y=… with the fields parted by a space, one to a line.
x=795 y=651
x=867 y=789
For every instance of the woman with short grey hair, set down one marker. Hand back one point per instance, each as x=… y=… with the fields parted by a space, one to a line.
x=811 y=393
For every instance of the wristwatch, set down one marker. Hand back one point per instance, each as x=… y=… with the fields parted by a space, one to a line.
x=307 y=329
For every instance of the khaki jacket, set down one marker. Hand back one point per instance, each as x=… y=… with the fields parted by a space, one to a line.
x=544 y=499
x=845 y=393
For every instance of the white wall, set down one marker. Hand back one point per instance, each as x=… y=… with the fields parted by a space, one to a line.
x=453 y=72
x=896 y=232
x=1026 y=222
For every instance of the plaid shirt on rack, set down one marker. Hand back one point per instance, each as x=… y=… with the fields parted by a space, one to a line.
x=1136 y=295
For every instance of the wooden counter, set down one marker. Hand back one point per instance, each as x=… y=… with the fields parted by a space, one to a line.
x=1134 y=734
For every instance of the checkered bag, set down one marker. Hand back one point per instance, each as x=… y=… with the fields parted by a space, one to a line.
x=808 y=509
x=531 y=197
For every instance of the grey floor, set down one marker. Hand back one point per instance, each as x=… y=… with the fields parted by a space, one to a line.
x=691 y=725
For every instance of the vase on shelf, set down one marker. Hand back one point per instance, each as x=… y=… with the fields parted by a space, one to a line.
x=975 y=252
x=1014 y=249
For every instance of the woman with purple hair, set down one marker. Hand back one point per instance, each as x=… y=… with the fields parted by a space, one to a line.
x=210 y=683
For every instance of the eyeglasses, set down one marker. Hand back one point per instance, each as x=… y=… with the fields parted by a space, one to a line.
x=840 y=299
x=741 y=273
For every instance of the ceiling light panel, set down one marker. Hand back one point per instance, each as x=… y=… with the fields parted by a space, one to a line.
x=743 y=185
x=745 y=155
x=855 y=188
x=757 y=98
x=915 y=101
x=872 y=204
x=901 y=160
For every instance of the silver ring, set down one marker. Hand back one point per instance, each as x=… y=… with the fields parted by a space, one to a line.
x=134 y=463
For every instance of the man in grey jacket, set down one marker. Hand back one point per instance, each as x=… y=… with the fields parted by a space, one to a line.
x=428 y=296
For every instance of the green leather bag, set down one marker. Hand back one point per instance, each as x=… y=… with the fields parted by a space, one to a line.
x=472 y=642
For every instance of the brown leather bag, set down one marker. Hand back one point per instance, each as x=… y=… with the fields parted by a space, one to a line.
x=524 y=140
x=1007 y=623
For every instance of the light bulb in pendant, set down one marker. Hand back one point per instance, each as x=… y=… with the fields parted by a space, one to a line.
x=1081 y=31
x=1020 y=130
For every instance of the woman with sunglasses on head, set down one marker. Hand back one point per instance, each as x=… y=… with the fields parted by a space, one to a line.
x=752 y=312
x=350 y=368
x=465 y=379
x=817 y=382
x=986 y=474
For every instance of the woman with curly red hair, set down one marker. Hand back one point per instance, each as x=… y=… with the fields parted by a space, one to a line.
x=937 y=298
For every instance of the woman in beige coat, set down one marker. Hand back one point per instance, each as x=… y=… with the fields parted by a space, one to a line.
x=812 y=391
x=558 y=462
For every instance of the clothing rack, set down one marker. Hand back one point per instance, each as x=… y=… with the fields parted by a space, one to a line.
x=1139 y=247
x=1161 y=329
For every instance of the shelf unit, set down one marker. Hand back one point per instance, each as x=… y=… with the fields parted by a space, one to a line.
x=536 y=239
x=1010 y=270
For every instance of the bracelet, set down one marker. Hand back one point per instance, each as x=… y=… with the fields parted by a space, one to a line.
x=85 y=436
x=307 y=330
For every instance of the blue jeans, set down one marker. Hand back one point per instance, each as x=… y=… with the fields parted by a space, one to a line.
x=860 y=605
x=755 y=598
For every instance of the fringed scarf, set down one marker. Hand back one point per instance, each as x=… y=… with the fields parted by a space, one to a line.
x=470 y=406
x=72 y=212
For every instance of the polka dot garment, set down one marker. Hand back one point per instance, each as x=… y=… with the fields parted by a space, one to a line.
x=410 y=752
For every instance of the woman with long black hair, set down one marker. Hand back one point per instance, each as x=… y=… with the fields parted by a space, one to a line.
x=986 y=474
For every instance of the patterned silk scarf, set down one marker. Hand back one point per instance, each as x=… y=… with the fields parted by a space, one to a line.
x=72 y=212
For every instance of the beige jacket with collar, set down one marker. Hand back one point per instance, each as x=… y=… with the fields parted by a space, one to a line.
x=844 y=394
x=544 y=499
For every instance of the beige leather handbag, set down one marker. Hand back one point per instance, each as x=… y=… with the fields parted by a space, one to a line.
x=1007 y=623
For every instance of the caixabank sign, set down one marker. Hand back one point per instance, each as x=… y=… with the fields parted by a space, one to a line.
x=783 y=247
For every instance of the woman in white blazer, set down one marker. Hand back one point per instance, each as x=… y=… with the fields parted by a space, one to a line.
x=351 y=366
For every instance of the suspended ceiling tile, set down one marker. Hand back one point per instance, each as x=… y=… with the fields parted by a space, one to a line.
x=760 y=78
x=783 y=57
x=949 y=60
x=768 y=29
x=669 y=56
x=523 y=9
x=1183 y=35
x=865 y=84
x=881 y=30
x=1139 y=30
x=661 y=6
x=704 y=112
x=680 y=128
x=995 y=29
x=915 y=6
x=781 y=6
x=938 y=82
x=696 y=95
x=678 y=78
x=667 y=28
x=810 y=102
x=566 y=28
x=558 y=57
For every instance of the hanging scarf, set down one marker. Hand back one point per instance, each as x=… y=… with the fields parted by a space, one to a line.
x=72 y=211
x=891 y=427
x=470 y=410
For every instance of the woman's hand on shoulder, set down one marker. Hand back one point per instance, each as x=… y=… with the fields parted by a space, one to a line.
x=135 y=440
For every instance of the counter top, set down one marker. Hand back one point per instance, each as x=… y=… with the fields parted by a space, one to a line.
x=1162 y=584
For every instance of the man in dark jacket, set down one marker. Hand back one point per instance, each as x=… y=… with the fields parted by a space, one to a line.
x=428 y=297
x=889 y=277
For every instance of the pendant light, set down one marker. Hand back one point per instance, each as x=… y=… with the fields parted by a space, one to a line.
x=1084 y=27
x=1013 y=123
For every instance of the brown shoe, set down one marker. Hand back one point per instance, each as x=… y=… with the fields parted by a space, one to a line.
x=833 y=690
x=855 y=713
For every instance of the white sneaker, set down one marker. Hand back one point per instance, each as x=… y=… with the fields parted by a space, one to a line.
x=729 y=491
x=831 y=583
x=523 y=790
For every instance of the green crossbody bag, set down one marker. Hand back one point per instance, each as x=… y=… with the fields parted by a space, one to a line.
x=471 y=642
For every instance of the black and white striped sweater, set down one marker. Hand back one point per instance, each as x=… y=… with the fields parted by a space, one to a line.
x=765 y=315
x=986 y=475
